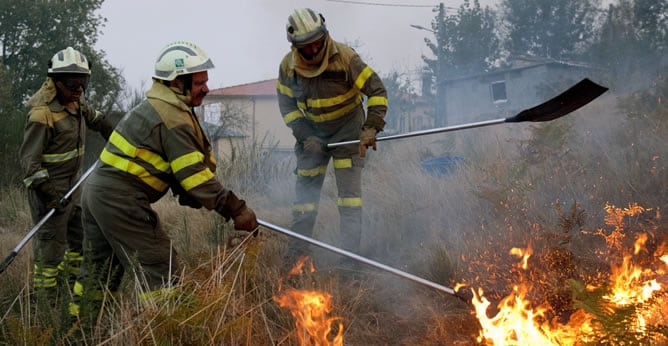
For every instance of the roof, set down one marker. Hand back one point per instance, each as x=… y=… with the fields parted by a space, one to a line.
x=261 y=88
x=523 y=63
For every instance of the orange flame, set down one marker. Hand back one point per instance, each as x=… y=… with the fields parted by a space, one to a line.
x=519 y=322
x=310 y=310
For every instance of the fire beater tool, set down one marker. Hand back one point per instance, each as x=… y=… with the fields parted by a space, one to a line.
x=568 y=101
x=41 y=222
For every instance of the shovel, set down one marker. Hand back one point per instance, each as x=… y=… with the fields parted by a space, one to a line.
x=568 y=101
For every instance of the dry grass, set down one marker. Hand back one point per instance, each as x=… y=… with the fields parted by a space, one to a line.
x=544 y=186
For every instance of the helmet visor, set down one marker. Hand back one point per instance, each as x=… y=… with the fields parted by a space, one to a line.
x=73 y=82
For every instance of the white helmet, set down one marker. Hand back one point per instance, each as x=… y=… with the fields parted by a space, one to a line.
x=181 y=58
x=305 y=26
x=69 y=60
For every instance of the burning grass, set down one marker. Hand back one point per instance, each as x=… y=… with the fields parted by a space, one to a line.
x=540 y=191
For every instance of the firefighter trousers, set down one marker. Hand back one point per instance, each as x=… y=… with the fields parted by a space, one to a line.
x=311 y=170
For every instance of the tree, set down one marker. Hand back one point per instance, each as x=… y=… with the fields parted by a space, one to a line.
x=31 y=31
x=548 y=28
x=465 y=43
x=633 y=41
x=400 y=97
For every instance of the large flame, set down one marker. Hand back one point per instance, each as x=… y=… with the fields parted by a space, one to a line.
x=310 y=310
x=520 y=322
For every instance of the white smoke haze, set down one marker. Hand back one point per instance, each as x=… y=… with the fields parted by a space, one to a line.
x=246 y=39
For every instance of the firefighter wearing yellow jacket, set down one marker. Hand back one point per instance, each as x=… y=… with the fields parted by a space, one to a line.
x=51 y=156
x=159 y=145
x=321 y=88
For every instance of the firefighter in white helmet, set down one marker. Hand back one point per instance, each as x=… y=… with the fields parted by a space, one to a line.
x=322 y=85
x=159 y=145
x=51 y=157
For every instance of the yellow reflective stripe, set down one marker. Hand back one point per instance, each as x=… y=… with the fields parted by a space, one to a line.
x=197 y=179
x=318 y=118
x=128 y=166
x=46 y=271
x=292 y=116
x=363 y=77
x=186 y=160
x=42 y=173
x=131 y=151
x=332 y=101
x=284 y=89
x=376 y=101
x=303 y=208
x=70 y=267
x=44 y=283
x=312 y=172
x=349 y=202
x=60 y=157
x=72 y=256
x=343 y=163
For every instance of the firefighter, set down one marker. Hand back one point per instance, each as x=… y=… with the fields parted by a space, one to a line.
x=321 y=88
x=51 y=158
x=159 y=145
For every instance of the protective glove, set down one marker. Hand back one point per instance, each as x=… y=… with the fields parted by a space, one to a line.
x=246 y=220
x=367 y=139
x=313 y=145
x=48 y=195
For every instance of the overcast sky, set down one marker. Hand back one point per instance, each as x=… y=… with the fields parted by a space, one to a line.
x=246 y=38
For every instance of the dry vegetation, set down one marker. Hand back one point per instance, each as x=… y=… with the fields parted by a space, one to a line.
x=544 y=186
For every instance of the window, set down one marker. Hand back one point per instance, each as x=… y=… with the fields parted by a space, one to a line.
x=499 y=92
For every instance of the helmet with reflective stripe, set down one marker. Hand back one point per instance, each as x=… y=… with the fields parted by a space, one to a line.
x=69 y=60
x=305 y=26
x=181 y=58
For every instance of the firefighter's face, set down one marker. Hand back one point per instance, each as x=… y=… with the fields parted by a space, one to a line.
x=199 y=88
x=71 y=87
x=310 y=50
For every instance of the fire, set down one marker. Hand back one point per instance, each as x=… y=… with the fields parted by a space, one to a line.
x=631 y=284
x=634 y=281
x=310 y=310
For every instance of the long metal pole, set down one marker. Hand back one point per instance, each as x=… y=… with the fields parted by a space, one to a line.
x=358 y=258
x=426 y=132
x=43 y=220
x=575 y=97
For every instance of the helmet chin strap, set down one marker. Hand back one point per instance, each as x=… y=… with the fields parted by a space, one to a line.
x=182 y=85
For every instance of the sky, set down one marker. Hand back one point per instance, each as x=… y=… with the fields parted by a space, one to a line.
x=246 y=38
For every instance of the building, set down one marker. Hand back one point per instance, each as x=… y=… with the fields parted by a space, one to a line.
x=505 y=92
x=255 y=107
x=249 y=109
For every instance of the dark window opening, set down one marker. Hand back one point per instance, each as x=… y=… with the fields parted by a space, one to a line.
x=499 y=92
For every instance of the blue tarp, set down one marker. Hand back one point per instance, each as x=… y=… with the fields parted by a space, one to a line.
x=442 y=165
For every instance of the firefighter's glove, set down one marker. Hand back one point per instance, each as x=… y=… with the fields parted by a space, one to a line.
x=246 y=220
x=367 y=139
x=313 y=145
x=49 y=196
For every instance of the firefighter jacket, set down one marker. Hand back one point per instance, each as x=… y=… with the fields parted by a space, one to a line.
x=53 y=142
x=321 y=105
x=160 y=144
